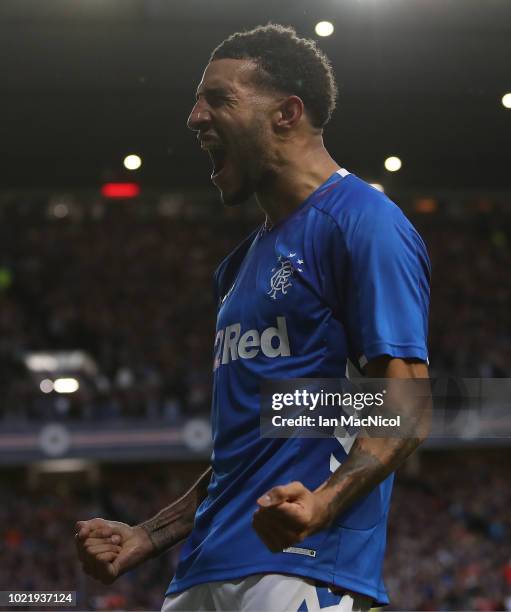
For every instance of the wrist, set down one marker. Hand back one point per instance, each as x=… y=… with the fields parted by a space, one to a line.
x=324 y=497
x=149 y=545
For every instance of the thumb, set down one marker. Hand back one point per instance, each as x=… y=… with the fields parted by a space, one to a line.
x=115 y=567
x=123 y=562
x=278 y=495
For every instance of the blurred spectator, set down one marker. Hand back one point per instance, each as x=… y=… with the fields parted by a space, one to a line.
x=134 y=290
x=444 y=552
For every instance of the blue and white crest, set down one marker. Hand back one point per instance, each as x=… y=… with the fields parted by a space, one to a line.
x=280 y=280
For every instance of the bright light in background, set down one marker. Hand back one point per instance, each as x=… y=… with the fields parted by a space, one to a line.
x=324 y=28
x=132 y=162
x=393 y=164
x=506 y=100
x=378 y=186
x=60 y=210
x=39 y=362
x=46 y=385
x=66 y=385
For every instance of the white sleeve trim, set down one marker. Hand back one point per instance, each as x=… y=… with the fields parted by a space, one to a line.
x=342 y=172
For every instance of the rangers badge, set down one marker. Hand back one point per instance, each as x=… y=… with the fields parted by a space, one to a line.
x=281 y=278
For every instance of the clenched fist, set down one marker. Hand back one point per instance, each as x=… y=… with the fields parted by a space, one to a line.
x=288 y=514
x=107 y=549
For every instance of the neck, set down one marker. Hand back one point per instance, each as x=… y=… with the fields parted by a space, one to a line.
x=293 y=180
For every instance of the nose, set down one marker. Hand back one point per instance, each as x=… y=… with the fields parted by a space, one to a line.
x=200 y=116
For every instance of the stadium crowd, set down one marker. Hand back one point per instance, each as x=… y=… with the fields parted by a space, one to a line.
x=133 y=289
x=448 y=548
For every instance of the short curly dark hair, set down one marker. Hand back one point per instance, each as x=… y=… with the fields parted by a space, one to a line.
x=288 y=64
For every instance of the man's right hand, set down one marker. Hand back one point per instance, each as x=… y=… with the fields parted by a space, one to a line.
x=108 y=549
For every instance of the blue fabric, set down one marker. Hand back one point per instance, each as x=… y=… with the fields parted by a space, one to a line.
x=344 y=276
x=326 y=598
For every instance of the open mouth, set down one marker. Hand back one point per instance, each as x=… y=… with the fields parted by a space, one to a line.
x=218 y=158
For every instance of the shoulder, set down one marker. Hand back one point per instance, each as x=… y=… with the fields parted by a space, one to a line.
x=358 y=214
x=352 y=201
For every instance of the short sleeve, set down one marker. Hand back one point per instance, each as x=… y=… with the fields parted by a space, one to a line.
x=384 y=284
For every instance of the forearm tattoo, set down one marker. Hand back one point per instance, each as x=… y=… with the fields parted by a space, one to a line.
x=175 y=522
x=371 y=460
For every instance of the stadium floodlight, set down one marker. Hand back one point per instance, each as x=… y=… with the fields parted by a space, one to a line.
x=378 y=186
x=393 y=163
x=41 y=362
x=506 y=100
x=60 y=210
x=66 y=385
x=46 y=385
x=132 y=162
x=59 y=363
x=324 y=28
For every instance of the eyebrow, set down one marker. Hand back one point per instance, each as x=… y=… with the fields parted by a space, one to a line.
x=215 y=91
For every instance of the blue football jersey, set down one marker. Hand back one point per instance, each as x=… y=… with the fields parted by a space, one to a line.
x=345 y=276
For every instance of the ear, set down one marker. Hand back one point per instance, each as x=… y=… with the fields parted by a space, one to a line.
x=289 y=113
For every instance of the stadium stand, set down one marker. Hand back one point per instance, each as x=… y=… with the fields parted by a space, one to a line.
x=133 y=289
x=448 y=549
x=129 y=284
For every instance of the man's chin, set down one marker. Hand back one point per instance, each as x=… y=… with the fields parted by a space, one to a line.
x=235 y=198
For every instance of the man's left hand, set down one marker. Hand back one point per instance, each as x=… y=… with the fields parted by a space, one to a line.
x=288 y=514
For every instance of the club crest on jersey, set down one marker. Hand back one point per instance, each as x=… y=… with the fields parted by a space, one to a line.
x=280 y=280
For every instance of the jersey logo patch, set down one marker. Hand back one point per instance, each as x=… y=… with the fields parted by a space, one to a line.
x=297 y=550
x=280 y=280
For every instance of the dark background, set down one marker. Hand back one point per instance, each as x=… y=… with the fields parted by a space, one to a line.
x=86 y=81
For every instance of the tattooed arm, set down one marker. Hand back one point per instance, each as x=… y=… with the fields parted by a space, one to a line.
x=371 y=460
x=108 y=549
x=289 y=513
x=174 y=523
